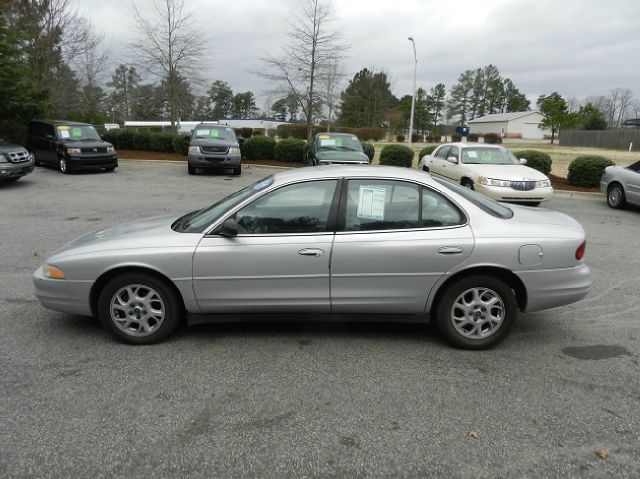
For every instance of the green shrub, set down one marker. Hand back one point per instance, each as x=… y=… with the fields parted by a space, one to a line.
x=473 y=137
x=427 y=150
x=400 y=138
x=259 y=148
x=365 y=134
x=587 y=170
x=397 y=155
x=455 y=138
x=181 y=144
x=369 y=150
x=161 y=142
x=112 y=136
x=290 y=150
x=258 y=131
x=492 y=138
x=343 y=129
x=141 y=141
x=537 y=160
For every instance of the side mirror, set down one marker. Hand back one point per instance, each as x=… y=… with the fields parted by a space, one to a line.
x=523 y=161
x=228 y=229
x=452 y=159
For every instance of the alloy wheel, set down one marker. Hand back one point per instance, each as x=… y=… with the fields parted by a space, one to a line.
x=137 y=310
x=477 y=313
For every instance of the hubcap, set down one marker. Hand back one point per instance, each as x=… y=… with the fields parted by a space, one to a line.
x=138 y=310
x=614 y=195
x=63 y=165
x=477 y=313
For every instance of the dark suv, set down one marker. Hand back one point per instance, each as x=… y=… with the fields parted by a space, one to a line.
x=214 y=147
x=15 y=162
x=336 y=149
x=69 y=146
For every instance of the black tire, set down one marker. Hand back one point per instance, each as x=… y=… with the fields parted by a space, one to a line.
x=36 y=162
x=425 y=168
x=615 y=196
x=110 y=169
x=173 y=311
x=492 y=287
x=237 y=171
x=191 y=170
x=467 y=183
x=63 y=167
x=535 y=203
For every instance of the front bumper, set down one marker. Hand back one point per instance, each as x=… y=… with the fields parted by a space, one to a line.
x=77 y=163
x=551 y=288
x=502 y=193
x=16 y=170
x=62 y=294
x=214 y=162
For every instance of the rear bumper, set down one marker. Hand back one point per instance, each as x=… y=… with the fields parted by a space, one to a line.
x=551 y=288
x=508 y=194
x=339 y=162
x=211 y=162
x=78 y=163
x=16 y=170
x=63 y=295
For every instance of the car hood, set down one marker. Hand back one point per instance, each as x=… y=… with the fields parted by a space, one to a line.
x=506 y=172
x=342 y=156
x=9 y=148
x=149 y=233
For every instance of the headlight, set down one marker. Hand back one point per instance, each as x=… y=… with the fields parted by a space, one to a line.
x=543 y=184
x=110 y=149
x=483 y=180
x=71 y=151
x=194 y=149
x=52 y=272
x=234 y=150
x=3 y=159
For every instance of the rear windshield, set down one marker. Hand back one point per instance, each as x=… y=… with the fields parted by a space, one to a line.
x=338 y=142
x=77 y=133
x=215 y=133
x=486 y=204
x=635 y=166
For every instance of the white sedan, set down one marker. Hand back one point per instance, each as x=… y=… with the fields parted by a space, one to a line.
x=489 y=169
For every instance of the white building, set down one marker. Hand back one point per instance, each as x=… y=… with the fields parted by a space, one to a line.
x=521 y=124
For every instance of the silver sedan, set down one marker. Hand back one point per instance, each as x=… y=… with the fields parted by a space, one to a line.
x=327 y=242
x=621 y=184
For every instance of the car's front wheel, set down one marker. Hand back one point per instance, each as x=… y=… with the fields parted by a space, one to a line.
x=62 y=165
x=615 y=196
x=191 y=170
x=139 y=308
x=476 y=312
x=237 y=171
x=467 y=183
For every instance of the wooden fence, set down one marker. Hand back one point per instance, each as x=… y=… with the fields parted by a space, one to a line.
x=618 y=139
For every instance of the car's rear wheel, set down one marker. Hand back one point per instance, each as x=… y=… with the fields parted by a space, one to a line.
x=476 y=312
x=615 y=196
x=138 y=308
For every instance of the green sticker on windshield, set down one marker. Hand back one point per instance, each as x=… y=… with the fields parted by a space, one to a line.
x=76 y=131
x=214 y=133
x=486 y=157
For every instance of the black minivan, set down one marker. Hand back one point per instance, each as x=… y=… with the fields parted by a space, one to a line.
x=69 y=146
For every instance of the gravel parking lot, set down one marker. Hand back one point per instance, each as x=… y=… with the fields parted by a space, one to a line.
x=305 y=399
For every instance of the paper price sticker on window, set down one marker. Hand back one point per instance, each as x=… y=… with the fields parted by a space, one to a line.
x=371 y=203
x=64 y=131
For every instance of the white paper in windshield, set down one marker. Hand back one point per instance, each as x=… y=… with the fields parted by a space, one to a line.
x=328 y=142
x=64 y=133
x=371 y=203
x=471 y=154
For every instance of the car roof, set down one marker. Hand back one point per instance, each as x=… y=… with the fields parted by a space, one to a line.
x=62 y=122
x=335 y=134
x=360 y=171
x=472 y=145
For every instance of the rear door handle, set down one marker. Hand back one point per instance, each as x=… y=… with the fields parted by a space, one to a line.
x=450 y=250
x=311 y=252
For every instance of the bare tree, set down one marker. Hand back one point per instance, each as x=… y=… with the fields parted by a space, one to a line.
x=90 y=65
x=331 y=80
x=168 y=45
x=311 y=49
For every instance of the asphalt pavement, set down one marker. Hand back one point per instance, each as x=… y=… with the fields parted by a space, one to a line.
x=312 y=400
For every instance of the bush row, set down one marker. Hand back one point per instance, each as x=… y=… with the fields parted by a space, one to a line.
x=147 y=141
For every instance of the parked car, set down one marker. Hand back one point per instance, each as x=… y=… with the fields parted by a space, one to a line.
x=69 y=146
x=336 y=149
x=214 y=147
x=489 y=169
x=344 y=240
x=15 y=162
x=621 y=184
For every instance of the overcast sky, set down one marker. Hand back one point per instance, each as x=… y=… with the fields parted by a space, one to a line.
x=576 y=47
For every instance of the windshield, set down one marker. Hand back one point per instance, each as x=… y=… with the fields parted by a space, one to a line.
x=199 y=220
x=77 y=133
x=488 y=156
x=215 y=133
x=486 y=204
x=330 y=142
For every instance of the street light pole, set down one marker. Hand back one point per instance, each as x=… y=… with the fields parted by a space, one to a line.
x=413 y=97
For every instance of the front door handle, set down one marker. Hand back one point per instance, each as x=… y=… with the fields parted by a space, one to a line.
x=311 y=252
x=450 y=250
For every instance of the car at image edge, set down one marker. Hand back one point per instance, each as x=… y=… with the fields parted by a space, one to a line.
x=15 y=162
x=489 y=169
x=355 y=242
x=621 y=185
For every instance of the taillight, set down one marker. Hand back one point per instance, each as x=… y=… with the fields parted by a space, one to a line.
x=580 y=250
